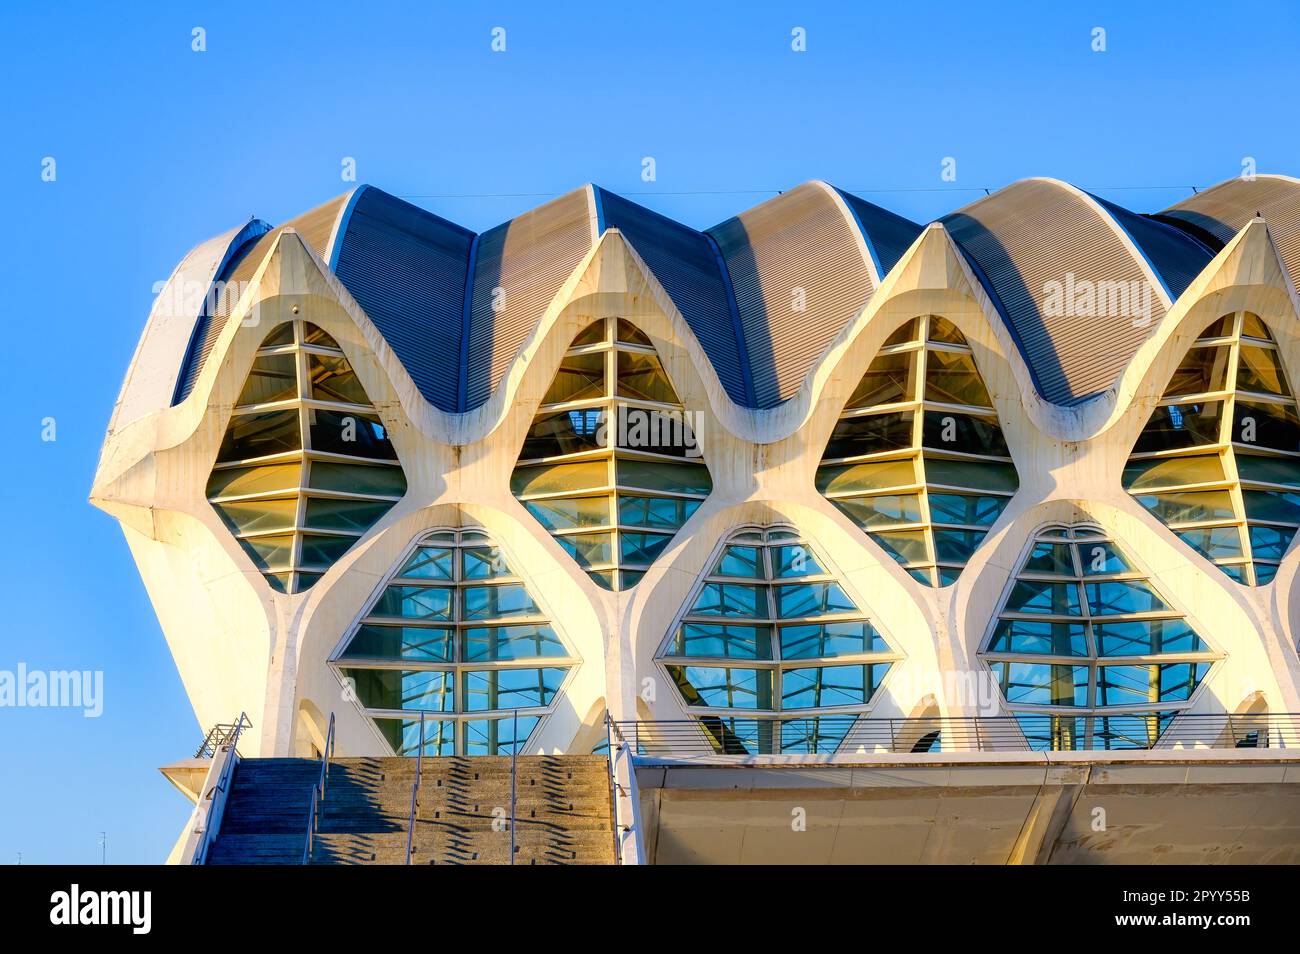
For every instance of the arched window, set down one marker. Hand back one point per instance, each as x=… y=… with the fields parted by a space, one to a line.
x=917 y=458
x=453 y=633
x=1086 y=651
x=306 y=466
x=769 y=631
x=611 y=465
x=1218 y=462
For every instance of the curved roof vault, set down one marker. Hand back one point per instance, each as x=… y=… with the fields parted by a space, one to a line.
x=1036 y=241
x=1224 y=210
x=766 y=291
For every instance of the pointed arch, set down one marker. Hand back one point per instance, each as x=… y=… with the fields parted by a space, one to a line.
x=611 y=465
x=918 y=459
x=769 y=630
x=453 y=637
x=1218 y=461
x=306 y=466
x=1085 y=649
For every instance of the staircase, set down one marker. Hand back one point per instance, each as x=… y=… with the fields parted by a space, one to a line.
x=562 y=810
x=265 y=819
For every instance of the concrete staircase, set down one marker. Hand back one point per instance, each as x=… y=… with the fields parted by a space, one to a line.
x=562 y=812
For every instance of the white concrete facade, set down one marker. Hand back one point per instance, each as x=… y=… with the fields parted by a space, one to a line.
x=240 y=646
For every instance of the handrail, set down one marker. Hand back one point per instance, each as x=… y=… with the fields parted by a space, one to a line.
x=415 y=791
x=726 y=735
x=212 y=743
x=611 y=730
x=318 y=792
x=514 y=761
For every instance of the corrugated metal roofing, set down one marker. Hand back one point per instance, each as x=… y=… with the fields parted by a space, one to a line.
x=527 y=259
x=315 y=226
x=685 y=264
x=407 y=268
x=736 y=284
x=1174 y=255
x=1037 y=232
x=1224 y=210
x=889 y=235
x=799 y=276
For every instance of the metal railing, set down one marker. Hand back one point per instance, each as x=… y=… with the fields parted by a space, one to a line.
x=514 y=766
x=624 y=822
x=862 y=735
x=222 y=735
x=318 y=792
x=415 y=792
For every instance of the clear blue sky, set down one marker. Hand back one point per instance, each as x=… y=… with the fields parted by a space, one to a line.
x=159 y=147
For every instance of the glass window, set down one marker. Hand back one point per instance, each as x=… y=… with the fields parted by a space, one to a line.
x=1121 y=619
x=274 y=377
x=789 y=581
x=622 y=446
x=332 y=379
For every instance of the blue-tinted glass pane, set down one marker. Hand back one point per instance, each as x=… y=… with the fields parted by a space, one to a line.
x=1051 y=558
x=964 y=509
x=794 y=560
x=964 y=433
x=829 y=685
x=1273 y=507
x=414 y=602
x=484 y=563
x=744 y=562
x=731 y=599
x=727 y=688
x=1042 y=684
x=814 y=736
x=1038 y=636
x=732 y=736
x=498 y=736
x=725 y=640
x=811 y=599
x=404 y=736
x=1116 y=597
x=1214 y=543
x=664 y=513
x=882 y=510
x=510 y=688
x=641 y=547
x=823 y=640
x=1036 y=596
x=429 y=563
x=399 y=689
x=1046 y=733
x=1129 y=731
x=1191 y=506
x=1147 y=638
x=956 y=546
x=1097 y=557
x=497 y=602
x=1264 y=573
x=401 y=642
x=1269 y=543
x=529 y=641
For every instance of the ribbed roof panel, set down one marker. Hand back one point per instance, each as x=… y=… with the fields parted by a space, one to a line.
x=528 y=259
x=1224 y=210
x=1174 y=255
x=406 y=268
x=1037 y=232
x=684 y=263
x=890 y=235
x=315 y=226
x=799 y=276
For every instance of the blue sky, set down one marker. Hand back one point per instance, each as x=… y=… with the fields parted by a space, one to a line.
x=158 y=147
